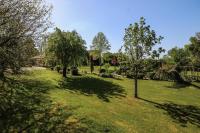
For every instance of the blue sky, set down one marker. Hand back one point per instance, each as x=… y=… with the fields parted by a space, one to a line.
x=175 y=20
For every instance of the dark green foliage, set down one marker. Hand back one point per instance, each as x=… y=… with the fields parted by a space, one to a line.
x=102 y=71
x=187 y=56
x=156 y=53
x=194 y=49
x=106 y=75
x=26 y=108
x=179 y=56
x=68 y=48
x=150 y=75
x=175 y=76
x=21 y=23
x=58 y=68
x=74 y=71
x=130 y=74
x=138 y=42
x=169 y=75
x=162 y=74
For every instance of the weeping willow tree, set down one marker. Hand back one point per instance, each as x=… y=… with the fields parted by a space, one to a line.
x=68 y=48
x=78 y=49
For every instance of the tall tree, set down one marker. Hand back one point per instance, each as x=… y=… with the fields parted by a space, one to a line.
x=101 y=44
x=179 y=56
x=138 y=42
x=68 y=47
x=194 y=49
x=20 y=20
x=79 y=52
x=60 y=45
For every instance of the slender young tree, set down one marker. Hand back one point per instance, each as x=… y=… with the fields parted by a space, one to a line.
x=138 y=42
x=101 y=44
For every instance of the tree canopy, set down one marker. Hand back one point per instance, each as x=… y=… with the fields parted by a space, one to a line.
x=138 y=42
x=68 y=48
x=101 y=44
x=21 y=22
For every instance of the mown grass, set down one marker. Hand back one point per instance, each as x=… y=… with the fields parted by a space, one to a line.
x=94 y=104
x=96 y=69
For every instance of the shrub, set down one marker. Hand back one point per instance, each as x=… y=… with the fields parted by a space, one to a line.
x=150 y=75
x=102 y=71
x=57 y=68
x=124 y=69
x=119 y=72
x=175 y=76
x=106 y=66
x=161 y=74
x=74 y=71
x=131 y=75
x=61 y=71
x=170 y=75
x=106 y=75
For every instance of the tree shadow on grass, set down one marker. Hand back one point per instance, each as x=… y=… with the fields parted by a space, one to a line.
x=177 y=85
x=90 y=85
x=195 y=85
x=182 y=114
x=24 y=106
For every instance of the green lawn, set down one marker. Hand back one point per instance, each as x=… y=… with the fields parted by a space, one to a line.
x=96 y=69
x=89 y=103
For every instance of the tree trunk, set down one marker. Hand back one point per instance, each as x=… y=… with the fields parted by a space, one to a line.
x=91 y=64
x=136 y=82
x=65 y=71
x=1 y=74
x=136 y=73
x=100 y=63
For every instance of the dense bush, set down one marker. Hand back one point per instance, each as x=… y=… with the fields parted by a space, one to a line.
x=102 y=71
x=175 y=76
x=169 y=75
x=131 y=74
x=124 y=69
x=161 y=74
x=150 y=75
x=106 y=75
x=74 y=70
x=107 y=66
x=57 y=68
